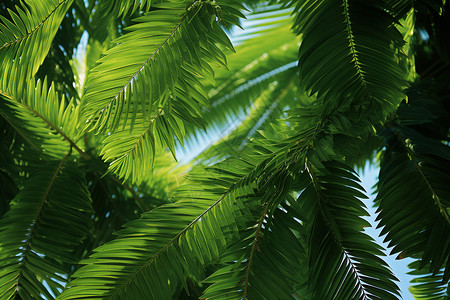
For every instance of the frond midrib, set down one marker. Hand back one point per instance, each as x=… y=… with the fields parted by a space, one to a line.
x=169 y=243
x=39 y=25
x=352 y=44
x=39 y=211
x=252 y=251
x=133 y=77
x=50 y=124
x=336 y=239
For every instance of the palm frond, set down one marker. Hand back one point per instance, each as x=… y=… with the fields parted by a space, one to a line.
x=254 y=68
x=40 y=116
x=347 y=55
x=168 y=244
x=58 y=65
x=415 y=214
x=51 y=215
x=423 y=224
x=147 y=87
x=26 y=37
x=268 y=262
x=267 y=106
x=344 y=262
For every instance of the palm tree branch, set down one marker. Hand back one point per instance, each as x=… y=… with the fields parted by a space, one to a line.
x=40 y=24
x=144 y=64
x=333 y=229
x=50 y=124
x=169 y=243
x=352 y=44
x=28 y=240
x=412 y=157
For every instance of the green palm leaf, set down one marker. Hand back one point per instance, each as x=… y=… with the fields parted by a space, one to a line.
x=344 y=262
x=51 y=215
x=26 y=37
x=423 y=223
x=268 y=262
x=347 y=55
x=148 y=84
x=416 y=213
x=155 y=254
x=41 y=117
x=266 y=107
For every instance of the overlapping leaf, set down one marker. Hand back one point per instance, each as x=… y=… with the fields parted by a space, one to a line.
x=348 y=53
x=344 y=262
x=427 y=285
x=413 y=196
x=40 y=116
x=26 y=37
x=422 y=223
x=51 y=215
x=267 y=263
x=148 y=84
x=155 y=254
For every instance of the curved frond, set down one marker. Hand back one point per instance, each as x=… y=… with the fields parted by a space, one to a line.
x=153 y=255
x=422 y=223
x=267 y=107
x=268 y=262
x=348 y=53
x=253 y=68
x=51 y=215
x=145 y=65
x=41 y=117
x=344 y=262
x=147 y=87
x=27 y=37
x=413 y=196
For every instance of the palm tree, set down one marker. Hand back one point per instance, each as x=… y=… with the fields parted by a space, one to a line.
x=93 y=203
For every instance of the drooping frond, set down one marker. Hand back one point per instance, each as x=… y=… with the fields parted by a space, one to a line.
x=26 y=37
x=40 y=116
x=155 y=254
x=268 y=262
x=51 y=215
x=413 y=196
x=146 y=88
x=344 y=262
x=426 y=285
x=348 y=53
x=144 y=67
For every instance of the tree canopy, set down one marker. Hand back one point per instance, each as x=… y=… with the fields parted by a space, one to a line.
x=95 y=205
